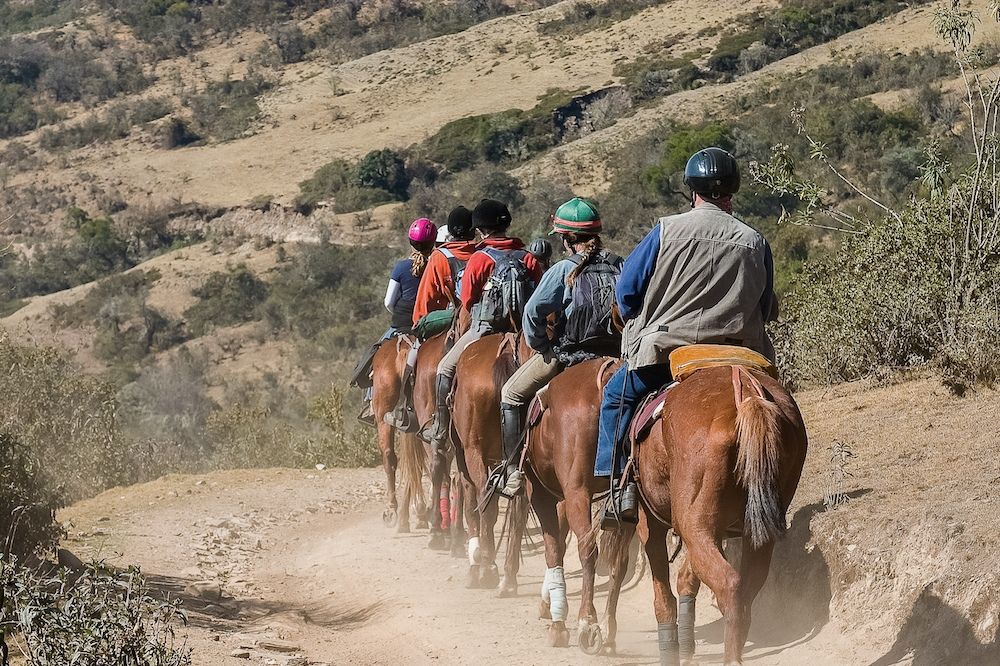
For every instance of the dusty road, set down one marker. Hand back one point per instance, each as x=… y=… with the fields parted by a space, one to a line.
x=303 y=558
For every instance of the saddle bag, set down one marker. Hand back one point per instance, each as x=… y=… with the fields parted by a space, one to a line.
x=434 y=323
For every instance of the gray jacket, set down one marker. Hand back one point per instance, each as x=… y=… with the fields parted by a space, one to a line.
x=698 y=277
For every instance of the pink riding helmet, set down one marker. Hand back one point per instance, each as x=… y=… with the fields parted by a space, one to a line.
x=423 y=231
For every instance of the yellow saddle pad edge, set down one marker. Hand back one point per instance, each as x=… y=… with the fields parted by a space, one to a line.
x=685 y=360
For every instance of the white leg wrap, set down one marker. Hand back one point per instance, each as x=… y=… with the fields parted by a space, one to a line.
x=473 y=550
x=546 y=584
x=558 y=605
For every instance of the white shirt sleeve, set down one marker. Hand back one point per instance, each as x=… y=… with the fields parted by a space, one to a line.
x=392 y=294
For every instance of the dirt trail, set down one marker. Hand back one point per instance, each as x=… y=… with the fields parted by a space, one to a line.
x=304 y=558
x=903 y=572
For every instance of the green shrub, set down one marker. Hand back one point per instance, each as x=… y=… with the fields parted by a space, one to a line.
x=228 y=108
x=68 y=418
x=587 y=16
x=115 y=124
x=177 y=133
x=911 y=284
x=796 y=25
x=99 y=617
x=28 y=502
x=682 y=142
x=333 y=289
x=504 y=137
x=226 y=299
x=291 y=42
x=244 y=436
x=380 y=176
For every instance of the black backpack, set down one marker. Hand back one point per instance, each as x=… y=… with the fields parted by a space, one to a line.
x=506 y=292
x=593 y=297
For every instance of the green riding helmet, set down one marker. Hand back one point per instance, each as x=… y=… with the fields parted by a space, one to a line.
x=577 y=216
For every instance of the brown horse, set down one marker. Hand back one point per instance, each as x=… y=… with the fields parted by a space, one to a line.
x=482 y=370
x=387 y=369
x=425 y=386
x=560 y=468
x=727 y=463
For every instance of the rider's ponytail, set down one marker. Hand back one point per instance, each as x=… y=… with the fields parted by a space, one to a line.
x=591 y=246
x=419 y=257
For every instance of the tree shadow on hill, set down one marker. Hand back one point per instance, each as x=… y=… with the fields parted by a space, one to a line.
x=794 y=604
x=226 y=613
x=935 y=633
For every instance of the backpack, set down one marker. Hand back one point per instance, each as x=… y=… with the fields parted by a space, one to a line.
x=506 y=292
x=457 y=271
x=592 y=299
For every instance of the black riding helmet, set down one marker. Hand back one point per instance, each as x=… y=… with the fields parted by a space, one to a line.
x=491 y=215
x=460 y=223
x=541 y=249
x=712 y=172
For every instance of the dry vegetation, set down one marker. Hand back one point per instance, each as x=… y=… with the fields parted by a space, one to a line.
x=201 y=202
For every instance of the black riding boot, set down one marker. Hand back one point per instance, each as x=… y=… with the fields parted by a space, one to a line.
x=512 y=429
x=622 y=506
x=438 y=434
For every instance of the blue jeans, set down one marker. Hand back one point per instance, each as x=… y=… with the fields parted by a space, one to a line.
x=622 y=396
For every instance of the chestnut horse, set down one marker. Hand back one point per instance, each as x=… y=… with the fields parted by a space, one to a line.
x=387 y=370
x=425 y=387
x=727 y=464
x=560 y=467
x=483 y=369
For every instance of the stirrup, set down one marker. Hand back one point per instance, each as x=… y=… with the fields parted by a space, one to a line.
x=402 y=419
x=621 y=508
x=367 y=415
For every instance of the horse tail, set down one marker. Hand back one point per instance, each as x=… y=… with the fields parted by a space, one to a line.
x=612 y=545
x=758 y=437
x=413 y=465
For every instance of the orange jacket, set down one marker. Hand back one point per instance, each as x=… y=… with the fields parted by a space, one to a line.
x=437 y=288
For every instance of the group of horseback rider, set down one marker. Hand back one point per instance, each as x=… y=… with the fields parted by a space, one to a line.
x=701 y=276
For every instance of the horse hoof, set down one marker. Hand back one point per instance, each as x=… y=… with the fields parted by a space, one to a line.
x=544 y=613
x=472 y=579
x=489 y=578
x=591 y=639
x=390 y=517
x=558 y=635
x=508 y=589
x=422 y=525
x=403 y=528
x=437 y=541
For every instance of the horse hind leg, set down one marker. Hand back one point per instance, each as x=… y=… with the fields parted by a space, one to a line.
x=517 y=518
x=754 y=567
x=618 y=556
x=577 y=507
x=709 y=564
x=553 y=605
x=654 y=540
x=688 y=585
x=387 y=445
x=489 y=573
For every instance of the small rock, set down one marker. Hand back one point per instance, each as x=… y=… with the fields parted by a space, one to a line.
x=277 y=646
x=104 y=519
x=199 y=482
x=296 y=661
x=204 y=589
x=240 y=654
x=320 y=467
